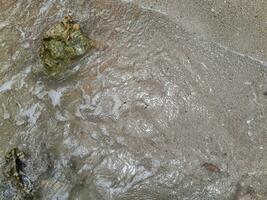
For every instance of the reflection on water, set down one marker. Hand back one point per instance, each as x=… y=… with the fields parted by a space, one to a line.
x=142 y=114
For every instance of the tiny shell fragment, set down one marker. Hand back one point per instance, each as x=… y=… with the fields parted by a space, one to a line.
x=211 y=167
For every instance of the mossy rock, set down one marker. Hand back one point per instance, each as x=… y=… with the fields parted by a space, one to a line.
x=62 y=45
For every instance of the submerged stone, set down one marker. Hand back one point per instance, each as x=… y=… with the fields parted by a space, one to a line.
x=14 y=173
x=63 y=44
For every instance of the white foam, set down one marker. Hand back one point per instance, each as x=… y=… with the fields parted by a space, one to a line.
x=19 y=77
x=3 y=25
x=6 y=86
x=6 y=113
x=45 y=7
x=33 y=113
x=55 y=96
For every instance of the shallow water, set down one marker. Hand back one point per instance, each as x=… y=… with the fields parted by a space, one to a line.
x=144 y=111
